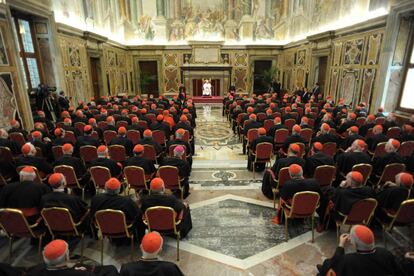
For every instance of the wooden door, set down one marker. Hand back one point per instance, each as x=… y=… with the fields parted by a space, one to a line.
x=149 y=77
x=95 y=76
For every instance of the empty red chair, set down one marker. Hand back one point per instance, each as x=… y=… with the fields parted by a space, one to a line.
x=268 y=124
x=143 y=124
x=15 y=225
x=304 y=205
x=88 y=153
x=280 y=137
x=393 y=132
x=251 y=135
x=134 y=136
x=380 y=120
x=406 y=149
x=263 y=154
x=70 y=137
x=112 y=224
x=159 y=137
x=103 y=125
x=361 y=212
x=261 y=116
x=72 y=182
x=151 y=116
x=99 y=176
x=325 y=175
x=150 y=153
x=136 y=178
x=79 y=126
x=164 y=220
x=18 y=138
x=365 y=170
x=329 y=148
x=306 y=134
x=57 y=152
x=171 y=178
x=379 y=150
x=6 y=154
x=290 y=123
x=279 y=181
x=109 y=135
x=360 y=121
x=117 y=153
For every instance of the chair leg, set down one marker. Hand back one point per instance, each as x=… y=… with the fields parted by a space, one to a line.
x=178 y=246
x=274 y=199
x=10 y=248
x=313 y=232
x=83 y=193
x=286 y=229
x=132 y=247
x=40 y=247
x=384 y=237
x=338 y=229
x=102 y=249
x=254 y=170
x=82 y=245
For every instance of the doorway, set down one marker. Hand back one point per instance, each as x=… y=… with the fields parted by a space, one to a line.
x=148 y=77
x=323 y=65
x=95 y=76
x=260 y=85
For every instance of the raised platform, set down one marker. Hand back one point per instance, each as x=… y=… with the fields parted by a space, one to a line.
x=213 y=99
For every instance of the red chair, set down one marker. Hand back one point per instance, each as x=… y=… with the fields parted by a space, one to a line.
x=279 y=181
x=38 y=179
x=109 y=135
x=360 y=121
x=390 y=171
x=159 y=137
x=369 y=134
x=311 y=122
x=103 y=125
x=280 y=137
x=88 y=153
x=121 y=124
x=117 y=153
x=251 y=135
x=18 y=138
x=171 y=178
x=406 y=149
x=304 y=205
x=263 y=154
x=164 y=220
x=394 y=133
x=15 y=225
x=79 y=126
x=95 y=135
x=57 y=152
x=99 y=176
x=150 y=153
x=290 y=123
x=325 y=175
x=380 y=120
x=365 y=170
x=379 y=150
x=6 y=154
x=268 y=124
x=72 y=182
x=330 y=149
x=134 y=136
x=70 y=137
x=112 y=224
x=39 y=152
x=136 y=178
x=361 y=212
x=60 y=223
x=306 y=134
x=261 y=116
x=403 y=217
x=143 y=124
x=151 y=116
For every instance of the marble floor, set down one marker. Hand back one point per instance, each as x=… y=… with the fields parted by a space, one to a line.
x=232 y=233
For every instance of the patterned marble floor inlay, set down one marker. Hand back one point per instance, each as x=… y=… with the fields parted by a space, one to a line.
x=239 y=231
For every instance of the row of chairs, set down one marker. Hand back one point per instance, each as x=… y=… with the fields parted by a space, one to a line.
x=110 y=224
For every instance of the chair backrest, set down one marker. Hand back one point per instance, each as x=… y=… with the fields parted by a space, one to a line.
x=38 y=178
x=6 y=154
x=117 y=153
x=380 y=150
x=239 y=117
x=170 y=176
x=283 y=176
x=393 y=132
x=109 y=135
x=370 y=133
x=306 y=134
x=111 y=222
x=268 y=124
x=405 y=214
x=88 y=153
x=18 y=138
x=143 y=124
x=406 y=149
x=134 y=136
x=99 y=176
x=390 y=171
x=160 y=218
x=121 y=124
x=380 y=120
x=325 y=174
x=70 y=175
x=311 y=122
x=364 y=169
x=95 y=135
x=57 y=152
x=135 y=177
x=103 y=125
x=252 y=134
x=302 y=149
x=59 y=219
x=329 y=148
x=70 y=137
x=304 y=204
x=261 y=116
x=362 y=211
x=159 y=136
x=150 y=153
x=264 y=151
x=360 y=121
x=14 y=223
x=281 y=135
x=79 y=126
x=151 y=116
x=290 y=123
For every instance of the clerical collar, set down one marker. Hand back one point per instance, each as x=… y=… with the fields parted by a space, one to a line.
x=149 y=259
x=365 y=251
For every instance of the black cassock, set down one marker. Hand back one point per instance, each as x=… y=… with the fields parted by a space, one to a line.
x=379 y=262
x=151 y=267
x=344 y=198
x=41 y=270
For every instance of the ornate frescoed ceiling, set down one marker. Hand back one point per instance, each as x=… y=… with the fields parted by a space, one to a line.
x=135 y=22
